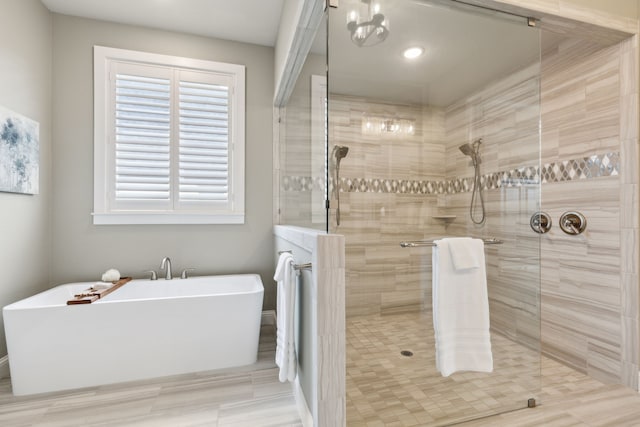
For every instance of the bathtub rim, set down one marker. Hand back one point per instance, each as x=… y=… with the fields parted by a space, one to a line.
x=27 y=303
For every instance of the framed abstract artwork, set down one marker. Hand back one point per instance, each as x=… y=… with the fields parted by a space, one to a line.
x=19 y=153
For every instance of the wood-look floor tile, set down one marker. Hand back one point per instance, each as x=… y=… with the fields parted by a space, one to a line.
x=272 y=411
x=248 y=396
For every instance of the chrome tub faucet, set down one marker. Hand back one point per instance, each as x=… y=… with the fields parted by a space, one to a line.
x=185 y=273
x=166 y=263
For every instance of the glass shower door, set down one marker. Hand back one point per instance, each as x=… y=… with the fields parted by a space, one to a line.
x=400 y=171
x=302 y=146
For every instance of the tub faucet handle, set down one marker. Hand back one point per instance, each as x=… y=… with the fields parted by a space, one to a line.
x=166 y=265
x=185 y=273
x=154 y=276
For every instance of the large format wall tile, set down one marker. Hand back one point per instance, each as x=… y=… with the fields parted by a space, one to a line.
x=584 y=91
x=584 y=97
x=382 y=203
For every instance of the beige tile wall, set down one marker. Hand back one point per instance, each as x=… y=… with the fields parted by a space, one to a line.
x=382 y=277
x=583 y=297
x=629 y=213
x=506 y=116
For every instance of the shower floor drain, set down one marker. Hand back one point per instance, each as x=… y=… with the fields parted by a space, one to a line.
x=406 y=353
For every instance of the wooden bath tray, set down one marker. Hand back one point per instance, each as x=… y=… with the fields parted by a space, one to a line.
x=90 y=295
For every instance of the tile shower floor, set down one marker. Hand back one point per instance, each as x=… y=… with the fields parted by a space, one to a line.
x=385 y=388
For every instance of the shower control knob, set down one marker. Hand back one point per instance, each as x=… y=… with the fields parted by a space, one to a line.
x=540 y=222
x=573 y=223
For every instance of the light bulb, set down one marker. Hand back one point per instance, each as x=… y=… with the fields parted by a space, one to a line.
x=352 y=16
x=413 y=52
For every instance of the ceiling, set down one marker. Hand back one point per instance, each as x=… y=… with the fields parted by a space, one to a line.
x=249 y=21
x=465 y=50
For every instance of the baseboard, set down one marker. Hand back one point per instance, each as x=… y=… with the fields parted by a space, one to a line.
x=301 y=404
x=4 y=367
x=269 y=317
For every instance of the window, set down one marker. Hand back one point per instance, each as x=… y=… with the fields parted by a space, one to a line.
x=168 y=139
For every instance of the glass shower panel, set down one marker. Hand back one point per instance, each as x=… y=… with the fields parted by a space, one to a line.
x=401 y=170
x=302 y=148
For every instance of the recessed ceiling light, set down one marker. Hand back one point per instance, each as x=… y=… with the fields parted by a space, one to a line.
x=413 y=52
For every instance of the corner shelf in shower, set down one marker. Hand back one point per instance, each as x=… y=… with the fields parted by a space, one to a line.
x=444 y=217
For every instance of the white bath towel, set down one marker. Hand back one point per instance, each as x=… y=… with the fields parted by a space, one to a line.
x=460 y=312
x=286 y=358
x=463 y=253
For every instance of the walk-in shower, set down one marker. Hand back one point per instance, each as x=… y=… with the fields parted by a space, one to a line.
x=408 y=130
x=411 y=181
x=473 y=151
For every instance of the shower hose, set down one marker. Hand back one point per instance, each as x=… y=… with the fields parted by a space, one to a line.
x=477 y=194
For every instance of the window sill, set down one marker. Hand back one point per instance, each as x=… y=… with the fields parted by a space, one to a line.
x=118 y=218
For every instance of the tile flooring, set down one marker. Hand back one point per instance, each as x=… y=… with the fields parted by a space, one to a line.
x=253 y=397
x=384 y=386
x=387 y=389
x=247 y=396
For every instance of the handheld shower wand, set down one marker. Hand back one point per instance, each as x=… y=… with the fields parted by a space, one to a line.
x=473 y=151
x=338 y=153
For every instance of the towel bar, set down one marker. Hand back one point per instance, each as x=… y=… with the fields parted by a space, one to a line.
x=305 y=266
x=431 y=242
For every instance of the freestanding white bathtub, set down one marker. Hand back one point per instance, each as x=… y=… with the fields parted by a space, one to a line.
x=145 y=329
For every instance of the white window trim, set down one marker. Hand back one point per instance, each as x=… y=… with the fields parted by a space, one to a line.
x=103 y=214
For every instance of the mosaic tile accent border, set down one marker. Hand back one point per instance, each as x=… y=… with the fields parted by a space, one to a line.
x=596 y=166
x=302 y=183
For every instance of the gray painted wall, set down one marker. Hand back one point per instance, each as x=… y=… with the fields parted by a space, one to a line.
x=25 y=87
x=82 y=251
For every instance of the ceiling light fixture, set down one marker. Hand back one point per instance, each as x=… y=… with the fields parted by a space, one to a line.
x=368 y=26
x=413 y=52
x=373 y=124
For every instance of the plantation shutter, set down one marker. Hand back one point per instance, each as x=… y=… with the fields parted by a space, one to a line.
x=155 y=106
x=142 y=136
x=168 y=139
x=204 y=139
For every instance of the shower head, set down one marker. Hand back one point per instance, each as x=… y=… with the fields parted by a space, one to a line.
x=467 y=150
x=472 y=150
x=340 y=152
